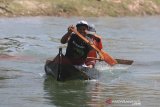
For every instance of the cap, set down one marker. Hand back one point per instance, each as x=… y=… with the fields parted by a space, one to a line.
x=91 y=29
x=92 y=33
x=82 y=23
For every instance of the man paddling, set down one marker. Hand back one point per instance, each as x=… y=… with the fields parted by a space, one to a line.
x=77 y=50
x=96 y=40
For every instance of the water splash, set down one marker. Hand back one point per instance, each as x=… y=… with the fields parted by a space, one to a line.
x=102 y=66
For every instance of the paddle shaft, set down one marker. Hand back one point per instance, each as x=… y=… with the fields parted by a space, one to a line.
x=119 y=61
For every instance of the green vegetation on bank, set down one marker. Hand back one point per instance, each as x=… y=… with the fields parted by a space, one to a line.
x=79 y=7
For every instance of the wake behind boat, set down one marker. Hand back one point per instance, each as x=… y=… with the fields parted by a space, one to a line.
x=62 y=70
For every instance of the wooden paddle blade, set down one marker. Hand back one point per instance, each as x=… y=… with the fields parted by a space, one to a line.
x=107 y=58
x=123 y=61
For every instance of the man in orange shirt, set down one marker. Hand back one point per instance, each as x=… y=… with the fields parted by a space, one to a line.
x=96 y=40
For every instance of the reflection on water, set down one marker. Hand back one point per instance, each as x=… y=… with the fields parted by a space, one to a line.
x=90 y=93
x=69 y=94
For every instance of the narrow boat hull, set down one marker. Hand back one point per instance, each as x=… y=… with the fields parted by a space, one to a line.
x=62 y=69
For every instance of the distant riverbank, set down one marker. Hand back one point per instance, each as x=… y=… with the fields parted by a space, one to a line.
x=79 y=8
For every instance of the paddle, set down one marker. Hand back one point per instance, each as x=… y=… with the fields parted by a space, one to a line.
x=103 y=55
x=119 y=61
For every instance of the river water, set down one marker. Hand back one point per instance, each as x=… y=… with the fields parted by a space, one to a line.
x=26 y=43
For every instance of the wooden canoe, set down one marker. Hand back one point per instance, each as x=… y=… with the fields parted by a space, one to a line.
x=62 y=70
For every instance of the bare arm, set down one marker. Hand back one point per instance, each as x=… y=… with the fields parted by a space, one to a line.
x=67 y=36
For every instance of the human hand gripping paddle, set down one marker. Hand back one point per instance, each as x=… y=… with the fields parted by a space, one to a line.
x=103 y=55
